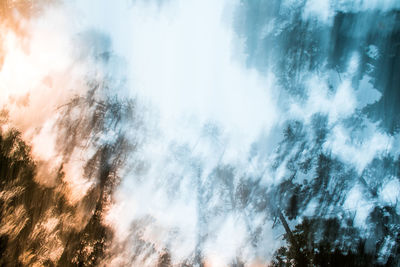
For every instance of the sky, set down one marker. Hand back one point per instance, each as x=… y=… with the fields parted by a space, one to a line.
x=205 y=118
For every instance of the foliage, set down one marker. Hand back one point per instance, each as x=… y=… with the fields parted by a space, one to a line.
x=321 y=246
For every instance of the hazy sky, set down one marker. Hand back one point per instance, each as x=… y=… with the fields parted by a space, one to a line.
x=201 y=106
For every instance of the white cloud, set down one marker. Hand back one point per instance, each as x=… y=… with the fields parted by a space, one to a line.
x=390 y=192
x=358 y=152
x=319 y=9
x=337 y=105
x=358 y=204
